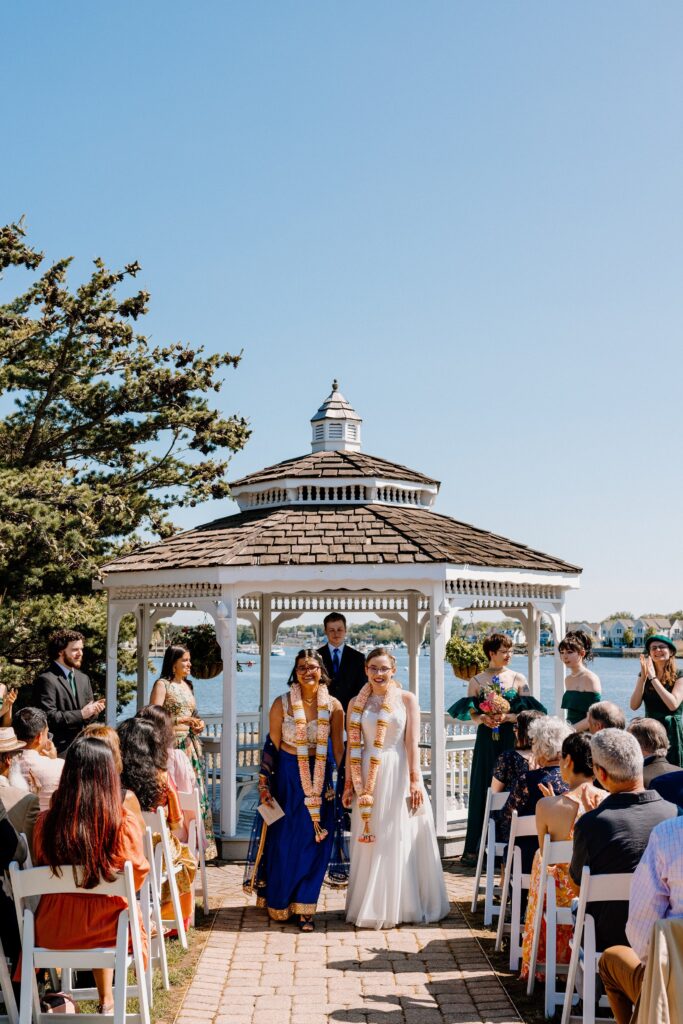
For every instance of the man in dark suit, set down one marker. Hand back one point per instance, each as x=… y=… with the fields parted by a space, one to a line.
x=654 y=742
x=345 y=665
x=63 y=692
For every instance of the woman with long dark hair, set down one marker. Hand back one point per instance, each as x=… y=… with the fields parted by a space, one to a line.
x=660 y=686
x=179 y=768
x=173 y=691
x=87 y=826
x=288 y=859
x=145 y=758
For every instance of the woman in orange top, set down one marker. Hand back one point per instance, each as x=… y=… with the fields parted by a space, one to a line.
x=144 y=752
x=87 y=826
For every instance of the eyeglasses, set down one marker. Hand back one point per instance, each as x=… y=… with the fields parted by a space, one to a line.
x=310 y=667
x=659 y=647
x=379 y=670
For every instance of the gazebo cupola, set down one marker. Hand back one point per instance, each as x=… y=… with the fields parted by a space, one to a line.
x=336 y=471
x=336 y=425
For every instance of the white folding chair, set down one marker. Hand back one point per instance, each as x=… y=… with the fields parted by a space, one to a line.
x=11 y=1014
x=151 y=916
x=165 y=870
x=519 y=827
x=583 y=965
x=191 y=808
x=38 y=882
x=491 y=849
x=548 y=911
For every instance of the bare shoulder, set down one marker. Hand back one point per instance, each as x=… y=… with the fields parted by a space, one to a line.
x=521 y=685
x=409 y=699
x=593 y=681
x=276 y=707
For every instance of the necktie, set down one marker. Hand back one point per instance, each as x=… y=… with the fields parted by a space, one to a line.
x=335 y=662
x=72 y=682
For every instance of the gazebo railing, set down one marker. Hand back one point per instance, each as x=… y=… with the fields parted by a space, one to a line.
x=458 y=737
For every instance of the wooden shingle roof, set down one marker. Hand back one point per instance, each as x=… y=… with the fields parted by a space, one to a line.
x=319 y=465
x=346 y=535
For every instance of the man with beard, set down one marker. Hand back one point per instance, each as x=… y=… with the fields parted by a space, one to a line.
x=64 y=692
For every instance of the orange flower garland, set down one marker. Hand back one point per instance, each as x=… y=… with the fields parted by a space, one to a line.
x=312 y=787
x=365 y=792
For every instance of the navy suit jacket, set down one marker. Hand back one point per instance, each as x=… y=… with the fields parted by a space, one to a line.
x=351 y=677
x=52 y=693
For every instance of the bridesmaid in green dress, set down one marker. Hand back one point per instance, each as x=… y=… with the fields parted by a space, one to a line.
x=494 y=734
x=660 y=686
x=174 y=691
x=582 y=687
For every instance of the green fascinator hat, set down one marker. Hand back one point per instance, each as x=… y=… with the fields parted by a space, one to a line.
x=662 y=640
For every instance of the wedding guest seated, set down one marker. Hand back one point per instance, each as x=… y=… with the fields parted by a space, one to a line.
x=21 y=805
x=547 y=734
x=512 y=765
x=111 y=738
x=39 y=763
x=87 y=804
x=556 y=817
x=656 y=892
x=653 y=740
x=12 y=847
x=669 y=787
x=612 y=838
x=179 y=768
x=145 y=761
x=605 y=715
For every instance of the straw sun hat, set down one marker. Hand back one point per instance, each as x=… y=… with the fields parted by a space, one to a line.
x=9 y=742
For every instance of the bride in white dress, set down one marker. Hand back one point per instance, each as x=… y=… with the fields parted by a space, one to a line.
x=396 y=875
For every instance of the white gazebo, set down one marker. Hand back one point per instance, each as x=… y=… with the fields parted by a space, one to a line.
x=334 y=530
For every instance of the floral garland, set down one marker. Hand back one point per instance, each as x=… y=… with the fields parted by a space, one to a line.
x=312 y=787
x=365 y=793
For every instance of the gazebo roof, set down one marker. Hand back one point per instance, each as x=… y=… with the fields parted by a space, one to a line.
x=333 y=465
x=318 y=535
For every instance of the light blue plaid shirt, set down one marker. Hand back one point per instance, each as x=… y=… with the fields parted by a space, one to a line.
x=657 y=887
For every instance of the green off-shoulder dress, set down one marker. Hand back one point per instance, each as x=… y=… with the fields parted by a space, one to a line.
x=486 y=752
x=671 y=720
x=577 y=702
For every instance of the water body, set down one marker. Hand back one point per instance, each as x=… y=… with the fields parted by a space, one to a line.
x=618 y=676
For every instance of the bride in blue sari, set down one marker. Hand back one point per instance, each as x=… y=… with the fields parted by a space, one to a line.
x=288 y=859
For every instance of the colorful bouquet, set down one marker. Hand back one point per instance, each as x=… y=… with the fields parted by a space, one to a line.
x=494 y=703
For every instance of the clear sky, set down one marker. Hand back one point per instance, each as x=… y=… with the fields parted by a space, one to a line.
x=469 y=213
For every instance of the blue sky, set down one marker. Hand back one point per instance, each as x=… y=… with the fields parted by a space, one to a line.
x=468 y=213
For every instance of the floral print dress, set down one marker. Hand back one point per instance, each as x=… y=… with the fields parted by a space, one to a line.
x=586 y=797
x=180 y=703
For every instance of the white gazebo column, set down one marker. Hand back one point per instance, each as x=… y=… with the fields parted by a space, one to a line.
x=413 y=643
x=225 y=617
x=533 y=643
x=115 y=612
x=557 y=618
x=265 y=639
x=439 y=629
x=143 y=622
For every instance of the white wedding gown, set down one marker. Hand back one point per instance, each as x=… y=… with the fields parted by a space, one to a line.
x=398 y=878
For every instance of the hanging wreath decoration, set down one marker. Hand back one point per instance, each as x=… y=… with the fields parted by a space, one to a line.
x=312 y=787
x=365 y=793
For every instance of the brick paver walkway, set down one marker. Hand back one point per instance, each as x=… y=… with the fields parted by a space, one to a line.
x=253 y=971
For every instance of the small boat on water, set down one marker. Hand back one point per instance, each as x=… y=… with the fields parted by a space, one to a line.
x=278 y=652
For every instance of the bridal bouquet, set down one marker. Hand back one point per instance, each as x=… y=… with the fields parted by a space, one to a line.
x=494 y=703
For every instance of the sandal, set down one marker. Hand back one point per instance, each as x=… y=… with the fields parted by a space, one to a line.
x=306 y=923
x=106 y=1009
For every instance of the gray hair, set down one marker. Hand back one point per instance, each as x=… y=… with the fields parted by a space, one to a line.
x=547 y=736
x=617 y=752
x=651 y=735
x=607 y=714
